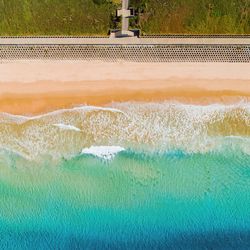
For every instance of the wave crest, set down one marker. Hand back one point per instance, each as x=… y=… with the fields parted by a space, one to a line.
x=138 y=126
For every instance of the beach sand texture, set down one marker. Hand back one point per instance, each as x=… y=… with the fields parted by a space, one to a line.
x=34 y=87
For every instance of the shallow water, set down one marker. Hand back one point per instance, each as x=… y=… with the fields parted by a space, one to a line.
x=183 y=181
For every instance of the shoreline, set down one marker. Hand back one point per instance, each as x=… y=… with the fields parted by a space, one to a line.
x=49 y=96
x=31 y=88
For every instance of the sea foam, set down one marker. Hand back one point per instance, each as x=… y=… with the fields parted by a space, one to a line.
x=67 y=127
x=104 y=152
x=153 y=127
x=23 y=118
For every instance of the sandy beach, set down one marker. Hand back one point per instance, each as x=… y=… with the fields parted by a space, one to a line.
x=34 y=87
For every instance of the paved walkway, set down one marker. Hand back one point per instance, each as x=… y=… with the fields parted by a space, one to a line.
x=125 y=19
x=122 y=41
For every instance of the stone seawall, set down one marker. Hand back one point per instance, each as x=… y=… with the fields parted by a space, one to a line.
x=133 y=53
x=174 y=49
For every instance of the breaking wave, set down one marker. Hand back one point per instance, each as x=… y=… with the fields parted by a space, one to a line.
x=150 y=127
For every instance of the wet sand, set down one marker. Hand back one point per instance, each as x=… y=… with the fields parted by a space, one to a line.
x=38 y=87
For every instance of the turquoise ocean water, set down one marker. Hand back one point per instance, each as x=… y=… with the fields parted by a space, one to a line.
x=181 y=182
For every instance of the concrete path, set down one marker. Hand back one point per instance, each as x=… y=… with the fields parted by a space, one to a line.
x=125 y=19
x=122 y=41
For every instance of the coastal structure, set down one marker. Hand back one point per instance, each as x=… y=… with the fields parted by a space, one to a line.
x=127 y=45
x=125 y=13
x=142 y=49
